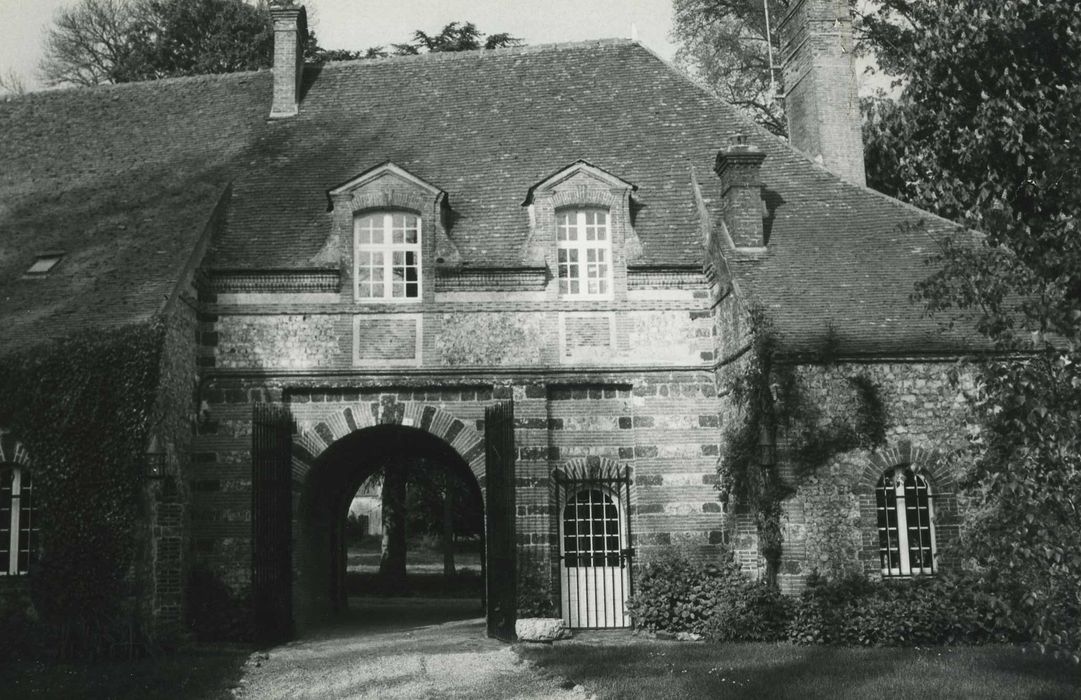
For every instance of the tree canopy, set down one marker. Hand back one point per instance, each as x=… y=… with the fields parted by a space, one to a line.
x=118 y=41
x=724 y=43
x=985 y=134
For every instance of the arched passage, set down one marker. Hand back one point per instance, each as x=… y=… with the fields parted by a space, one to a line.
x=332 y=459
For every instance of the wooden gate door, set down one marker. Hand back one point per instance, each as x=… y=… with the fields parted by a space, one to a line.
x=501 y=550
x=272 y=523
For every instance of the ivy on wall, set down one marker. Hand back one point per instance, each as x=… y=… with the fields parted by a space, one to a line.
x=83 y=407
x=773 y=400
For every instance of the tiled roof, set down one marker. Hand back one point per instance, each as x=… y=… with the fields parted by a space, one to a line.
x=121 y=179
x=482 y=126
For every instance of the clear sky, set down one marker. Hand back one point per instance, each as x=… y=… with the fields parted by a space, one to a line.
x=358 y=24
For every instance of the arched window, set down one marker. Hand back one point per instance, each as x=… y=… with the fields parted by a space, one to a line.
x=906 y=534
x=388 y=256
x=18 y=525
x=584 y=245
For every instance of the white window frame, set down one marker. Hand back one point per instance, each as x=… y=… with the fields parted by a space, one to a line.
x=905 y=567
x=387 y=250
x=11 y=567
x=574 y=247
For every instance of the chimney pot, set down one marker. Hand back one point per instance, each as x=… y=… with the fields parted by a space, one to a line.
x=290 y=29
x=739 y=167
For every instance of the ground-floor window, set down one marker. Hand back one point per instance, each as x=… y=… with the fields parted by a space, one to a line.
x=18 y=524
x=906 y=533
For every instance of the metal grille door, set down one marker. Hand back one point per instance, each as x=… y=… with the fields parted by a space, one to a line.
x=501 y=544
x=595 y=555
x=272 y=522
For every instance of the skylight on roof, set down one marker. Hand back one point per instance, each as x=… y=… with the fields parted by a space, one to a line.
x=44 y=263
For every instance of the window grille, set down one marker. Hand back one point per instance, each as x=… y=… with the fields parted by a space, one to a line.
x=905 y=523
x=388 y=256
x=584 y=249
x=591 y=530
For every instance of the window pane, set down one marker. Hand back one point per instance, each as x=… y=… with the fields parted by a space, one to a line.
x=5 y=519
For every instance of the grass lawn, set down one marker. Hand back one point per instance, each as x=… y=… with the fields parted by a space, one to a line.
x=422 y=556
x=196 y=675
x=657 y=669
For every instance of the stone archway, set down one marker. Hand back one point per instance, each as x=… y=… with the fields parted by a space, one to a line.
x=335 y=449
x=319 y=429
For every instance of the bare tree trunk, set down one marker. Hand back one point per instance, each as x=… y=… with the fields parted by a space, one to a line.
x=392 y=558
x=448 y=533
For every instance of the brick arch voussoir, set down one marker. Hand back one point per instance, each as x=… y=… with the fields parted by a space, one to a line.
x=584 y=196
x=314 y=438
x=590 y=467
x=926 y=461
x=12 y=451
x=383 y=199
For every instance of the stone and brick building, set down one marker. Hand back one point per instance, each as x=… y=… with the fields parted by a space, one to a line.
x=389 y=247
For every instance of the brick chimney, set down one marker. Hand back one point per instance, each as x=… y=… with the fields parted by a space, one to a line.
x=819 y=76
x=290 y=30
x=738 y=168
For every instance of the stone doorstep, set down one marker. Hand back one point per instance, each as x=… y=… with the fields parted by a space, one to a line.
x=540 y=629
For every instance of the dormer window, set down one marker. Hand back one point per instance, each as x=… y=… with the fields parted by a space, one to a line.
x=584 y=250
x=388 y=253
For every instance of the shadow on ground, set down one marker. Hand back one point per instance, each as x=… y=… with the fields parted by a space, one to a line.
x=399 y=648
x=631 y=667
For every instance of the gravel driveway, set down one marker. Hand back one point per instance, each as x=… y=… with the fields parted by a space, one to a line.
x=402 y=649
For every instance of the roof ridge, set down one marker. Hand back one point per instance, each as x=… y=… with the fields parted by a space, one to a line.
x=134 y=84
x=503 y=51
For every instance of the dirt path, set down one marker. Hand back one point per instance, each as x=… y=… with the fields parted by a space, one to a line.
x=417 y=650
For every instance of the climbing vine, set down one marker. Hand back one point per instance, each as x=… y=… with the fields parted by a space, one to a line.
x=773 y=400
x=83 y=407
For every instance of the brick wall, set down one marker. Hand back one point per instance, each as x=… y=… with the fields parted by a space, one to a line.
x=168 y=512
x=477 y=334
x=829 y=523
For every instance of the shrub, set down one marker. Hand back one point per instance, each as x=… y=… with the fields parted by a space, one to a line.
x=749 y=611
x=215 y=613
x=677 y=594
x=947 y=609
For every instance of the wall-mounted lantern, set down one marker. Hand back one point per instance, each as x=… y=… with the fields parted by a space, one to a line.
x=155 y=458
x=767 y=449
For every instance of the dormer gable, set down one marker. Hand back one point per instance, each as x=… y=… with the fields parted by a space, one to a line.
x=385 y=185
x=579 y=177
x=390 y=190
x=580 y=185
